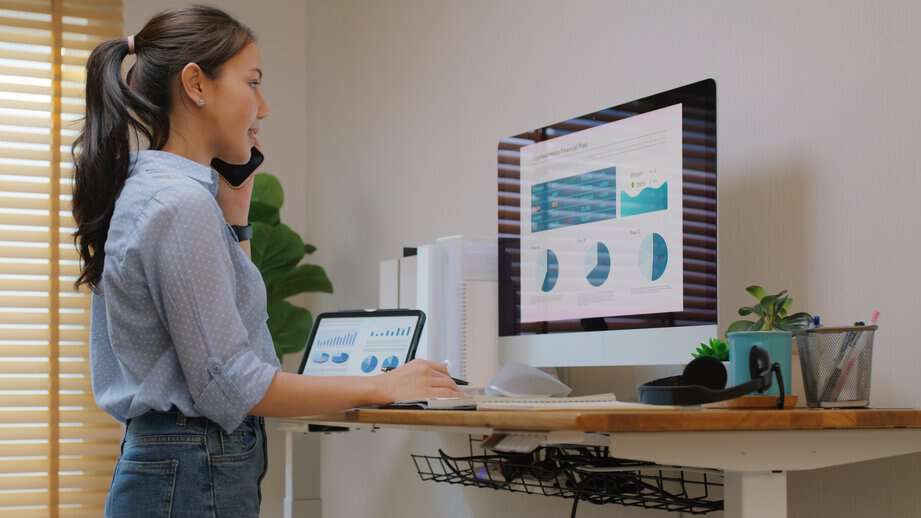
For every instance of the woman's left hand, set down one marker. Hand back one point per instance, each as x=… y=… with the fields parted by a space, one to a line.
x=234 y=201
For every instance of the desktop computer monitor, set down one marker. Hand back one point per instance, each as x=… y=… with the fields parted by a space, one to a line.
x=607 y=234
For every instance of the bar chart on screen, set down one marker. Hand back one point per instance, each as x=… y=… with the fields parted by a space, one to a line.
x=338 y=336
x=395 y=332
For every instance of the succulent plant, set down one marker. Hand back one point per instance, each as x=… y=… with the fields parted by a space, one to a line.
x=772 y=312
x=715 y=348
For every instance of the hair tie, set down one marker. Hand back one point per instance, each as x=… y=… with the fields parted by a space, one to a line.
x=130 y=44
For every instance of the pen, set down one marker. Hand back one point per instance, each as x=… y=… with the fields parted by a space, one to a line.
x=850 y=338
x=836 y=391
x=456 y=380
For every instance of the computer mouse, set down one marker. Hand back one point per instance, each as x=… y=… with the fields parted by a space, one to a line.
x=520 y=380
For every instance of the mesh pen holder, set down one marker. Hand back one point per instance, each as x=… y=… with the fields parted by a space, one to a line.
x=836 y=364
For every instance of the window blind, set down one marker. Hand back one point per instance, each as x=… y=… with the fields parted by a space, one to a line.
x=57 y=449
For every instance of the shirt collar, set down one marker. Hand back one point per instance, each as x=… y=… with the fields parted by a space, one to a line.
x=152 y=159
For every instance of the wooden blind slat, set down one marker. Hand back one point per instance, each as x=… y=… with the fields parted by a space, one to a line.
x=101 y=29
x=24 y=138
x=33 y=268
x=41 y=301
x=67 y=251
x=11 y=383
x=38 y=7
x=26 y=38
x=37 y=318
x=19 y=351
x=44 y=334
x=15 y=499
x=40 y=121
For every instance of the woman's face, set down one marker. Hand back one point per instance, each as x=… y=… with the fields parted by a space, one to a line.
x=236 y=106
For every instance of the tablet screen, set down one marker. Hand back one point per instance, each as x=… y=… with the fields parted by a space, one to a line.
x=359 y=346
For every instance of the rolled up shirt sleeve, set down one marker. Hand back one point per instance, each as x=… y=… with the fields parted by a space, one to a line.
x=186 y=259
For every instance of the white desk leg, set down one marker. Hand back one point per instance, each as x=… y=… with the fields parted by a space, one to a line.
x=289 y=475
x=755 y=494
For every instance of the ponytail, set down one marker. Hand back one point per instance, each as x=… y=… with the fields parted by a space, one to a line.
x=115 y=106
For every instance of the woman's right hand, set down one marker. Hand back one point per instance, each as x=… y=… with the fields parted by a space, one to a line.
x=418 y=379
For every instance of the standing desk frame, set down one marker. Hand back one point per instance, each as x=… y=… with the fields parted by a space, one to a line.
x=754 y=448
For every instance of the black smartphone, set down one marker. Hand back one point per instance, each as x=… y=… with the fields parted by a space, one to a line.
x=236 y=174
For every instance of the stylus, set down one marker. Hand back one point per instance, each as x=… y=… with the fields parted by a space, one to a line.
x=456 y=380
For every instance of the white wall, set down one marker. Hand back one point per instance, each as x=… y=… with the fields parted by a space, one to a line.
x=819 y=124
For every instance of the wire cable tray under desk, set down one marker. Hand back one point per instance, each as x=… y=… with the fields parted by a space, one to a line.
x=580 y=473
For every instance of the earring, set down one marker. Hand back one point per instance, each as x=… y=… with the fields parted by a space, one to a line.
x=201 y=102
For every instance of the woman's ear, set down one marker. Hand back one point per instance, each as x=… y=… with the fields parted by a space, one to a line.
x=191 y=84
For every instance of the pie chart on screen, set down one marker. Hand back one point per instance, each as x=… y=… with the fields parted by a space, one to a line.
x=548 y=271
x=653 y=256
x=597 y=264
x=369 y=364
x=321 y=358
x=390 y=362
x=340 y=358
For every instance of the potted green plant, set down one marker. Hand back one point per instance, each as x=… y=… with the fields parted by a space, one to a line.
x=277 y=252
x=715 y=348
x=771 y=330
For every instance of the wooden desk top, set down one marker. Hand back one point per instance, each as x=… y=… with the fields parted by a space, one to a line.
x=637 y=421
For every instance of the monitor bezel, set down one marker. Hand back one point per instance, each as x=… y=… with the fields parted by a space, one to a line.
x=636 y=346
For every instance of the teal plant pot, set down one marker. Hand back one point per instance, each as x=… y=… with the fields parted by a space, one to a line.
x=779 y=344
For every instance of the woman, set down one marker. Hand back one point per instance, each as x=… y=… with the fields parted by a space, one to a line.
x=180 y=347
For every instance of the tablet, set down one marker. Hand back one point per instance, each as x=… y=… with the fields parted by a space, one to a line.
x=361 y=343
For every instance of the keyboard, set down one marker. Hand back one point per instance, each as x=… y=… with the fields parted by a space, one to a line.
x=593 y=402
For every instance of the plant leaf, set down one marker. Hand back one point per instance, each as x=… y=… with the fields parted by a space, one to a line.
x=309 y=249
x=276 y=250
x=756 y=291
x=745 y=311
x=740 y=325
x=289 y=326
x=304 y=278
x=786 y=306
x=720 y=349
x=267 y=191
x=795 y=321
x=267 y=198
x=261 y=232
x=262 y=213
x=768 y=303
x=778 y=306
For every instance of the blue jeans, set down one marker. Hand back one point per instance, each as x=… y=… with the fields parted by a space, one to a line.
x=173 y=466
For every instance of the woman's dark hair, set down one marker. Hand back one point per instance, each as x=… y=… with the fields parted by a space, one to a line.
x=168 y=42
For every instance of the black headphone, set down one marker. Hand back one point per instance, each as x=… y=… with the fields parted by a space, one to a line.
x=704 y=381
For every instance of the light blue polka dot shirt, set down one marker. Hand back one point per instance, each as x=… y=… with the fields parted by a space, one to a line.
x=179 y=316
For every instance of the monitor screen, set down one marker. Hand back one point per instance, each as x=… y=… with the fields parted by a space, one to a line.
x=359 y=345
x=608 y=221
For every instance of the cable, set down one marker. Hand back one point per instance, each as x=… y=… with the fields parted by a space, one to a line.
x=575 y=506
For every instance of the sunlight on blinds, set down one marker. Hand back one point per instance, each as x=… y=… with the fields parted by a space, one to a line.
x=57 y=449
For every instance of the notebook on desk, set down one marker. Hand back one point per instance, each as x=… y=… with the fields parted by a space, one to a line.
x=593 y=402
